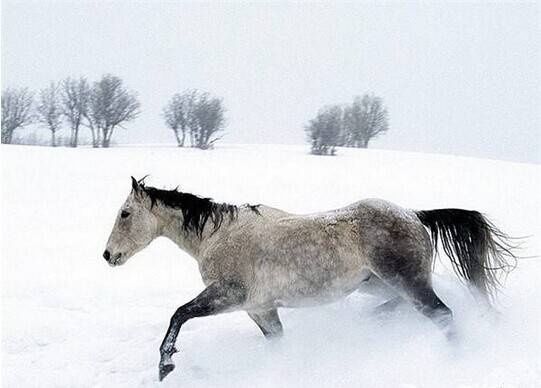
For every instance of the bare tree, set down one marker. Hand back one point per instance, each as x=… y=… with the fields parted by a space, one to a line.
x=16 y=111
x=49 y=110
x=179 y=112
x=75 y=105
x=196 y=114
x=325 y=130
x=208 y=120
x=365 y=119
x=111 y=105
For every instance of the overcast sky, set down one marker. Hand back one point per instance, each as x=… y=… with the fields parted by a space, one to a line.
x=456 y=78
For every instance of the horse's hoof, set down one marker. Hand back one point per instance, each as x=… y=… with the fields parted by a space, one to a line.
x=165 y=369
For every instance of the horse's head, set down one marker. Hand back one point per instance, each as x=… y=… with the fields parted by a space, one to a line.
x=135 y=227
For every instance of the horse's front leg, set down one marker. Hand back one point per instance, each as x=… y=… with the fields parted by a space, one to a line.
x=217 y=298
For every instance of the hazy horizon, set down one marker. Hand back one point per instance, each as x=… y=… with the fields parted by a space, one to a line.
x=456 y=78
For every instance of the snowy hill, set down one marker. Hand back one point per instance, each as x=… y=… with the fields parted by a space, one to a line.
x=68 y=319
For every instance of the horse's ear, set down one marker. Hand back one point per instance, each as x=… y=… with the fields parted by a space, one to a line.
x=134 y=184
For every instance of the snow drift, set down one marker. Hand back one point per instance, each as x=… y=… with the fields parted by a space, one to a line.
x=68 y=319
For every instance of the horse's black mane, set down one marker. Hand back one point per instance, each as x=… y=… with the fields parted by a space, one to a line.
x=196 y=211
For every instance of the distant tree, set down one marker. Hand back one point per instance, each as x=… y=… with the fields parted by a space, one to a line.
x=208 y=119
x=196 y=114
x=324 y=131
x=111 y=105
x=75 y=100
x=364 y=120
x=16 y=111
x=49 y=110
x=178 y=114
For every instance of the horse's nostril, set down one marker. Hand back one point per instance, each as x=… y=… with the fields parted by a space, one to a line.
x=106 y=255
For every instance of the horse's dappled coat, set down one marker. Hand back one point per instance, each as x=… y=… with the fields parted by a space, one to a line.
x=258 y=258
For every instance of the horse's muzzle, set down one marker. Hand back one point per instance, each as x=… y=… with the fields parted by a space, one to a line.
x=112 y=259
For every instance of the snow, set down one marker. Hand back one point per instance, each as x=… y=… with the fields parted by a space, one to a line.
x=68 y=319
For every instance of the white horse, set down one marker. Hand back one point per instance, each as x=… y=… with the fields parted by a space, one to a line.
x=257 y=258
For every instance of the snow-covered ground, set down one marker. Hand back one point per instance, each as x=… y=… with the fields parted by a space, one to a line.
x=69 y=320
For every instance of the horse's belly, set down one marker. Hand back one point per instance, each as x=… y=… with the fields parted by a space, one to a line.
x=299 y=289
x=316 y=299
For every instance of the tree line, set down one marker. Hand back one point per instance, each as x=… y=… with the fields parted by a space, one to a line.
x=101 y=107
x=196 y=118
x=350 y=125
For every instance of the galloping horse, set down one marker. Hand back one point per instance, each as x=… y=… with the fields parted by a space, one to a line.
x=256 y=258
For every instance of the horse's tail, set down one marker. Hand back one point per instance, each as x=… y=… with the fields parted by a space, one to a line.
x=479 y=251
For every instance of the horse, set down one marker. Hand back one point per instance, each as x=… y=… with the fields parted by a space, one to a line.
x=257 y=258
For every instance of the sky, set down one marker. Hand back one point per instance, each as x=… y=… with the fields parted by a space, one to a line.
x=456 y=78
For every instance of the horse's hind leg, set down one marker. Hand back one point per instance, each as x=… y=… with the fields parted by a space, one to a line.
x=411 y=278
x=374 y=286
x=428 y=303
x=425 y=300
x=268 y=322
x=389 y=306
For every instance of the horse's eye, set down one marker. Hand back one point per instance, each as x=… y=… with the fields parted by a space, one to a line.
x=124 y=214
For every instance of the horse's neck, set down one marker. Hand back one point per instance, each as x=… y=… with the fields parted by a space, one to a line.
x=171 y=227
